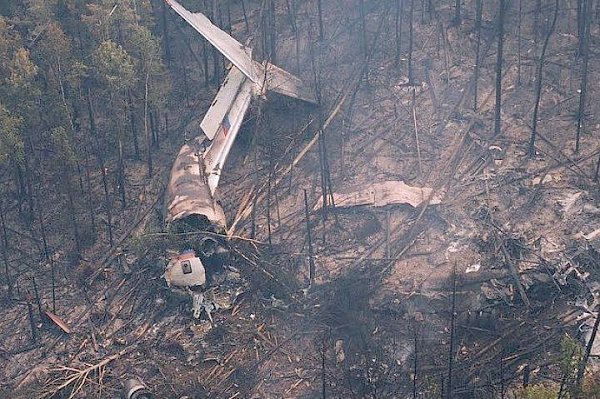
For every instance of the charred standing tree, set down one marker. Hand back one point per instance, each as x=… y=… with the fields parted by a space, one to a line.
x=519 y=24
x=536 y=21
x=582 y=22
x=539 y=79
x=410 y=43
x=584 y=71
x=107 y=200
x=452 y=334
x=497 y=113
x=133 y=126
x=166 y=42
x=478 y=13
x=457 y=16
x=363 y=28
x=320 y=12
x=398 y=30
x=5 y=249
x=272 y=32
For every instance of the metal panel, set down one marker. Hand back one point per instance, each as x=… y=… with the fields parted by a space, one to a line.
x=222 y=103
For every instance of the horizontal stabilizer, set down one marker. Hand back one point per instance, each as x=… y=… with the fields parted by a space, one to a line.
x=283 y=82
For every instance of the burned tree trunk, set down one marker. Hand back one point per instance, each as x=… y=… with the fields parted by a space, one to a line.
x=5 y=249
x=166 y=42
x=107 y=201
x=584 y=72
x=311 y=255
x=133 y=126
x=519 y=24
x=497 y=112
x=410 y=43
x=538 y=82
x=452 y=330
x=398 y=30
x=478 y=12
x=457 y=16
x=320 y=12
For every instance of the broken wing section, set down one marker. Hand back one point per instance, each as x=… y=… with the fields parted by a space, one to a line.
x=233 y=50
x=224 y=129
x=187 y=193
x=273 y=77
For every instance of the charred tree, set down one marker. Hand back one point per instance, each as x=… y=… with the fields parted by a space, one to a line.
x=498 y=106
x=311 y=254
x=452 y=332
x=588 y=350
x=478 y=13
x=320 y=12
x=398 y=30
x=519 y=24
x=584 y=72
x=107 y=201
x=457 y=12
x=538 y=81
x=410 y=42
x=165 y=26
x=5 y=249
x=536 y=21
x=272 y=32
x=133 y=127
x=363 y=29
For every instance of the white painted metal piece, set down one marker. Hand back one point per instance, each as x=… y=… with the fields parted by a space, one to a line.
x=222 y=103
x=233 y=50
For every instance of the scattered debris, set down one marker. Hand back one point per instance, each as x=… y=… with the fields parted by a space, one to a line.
x=135 y=389
x=569 y=203
x=547 y=178
x=340 y=356
x=200 y=305
x=494 y=290
x=473 y=268
x=592 y=235
x=58 y=321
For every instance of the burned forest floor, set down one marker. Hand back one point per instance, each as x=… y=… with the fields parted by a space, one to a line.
x=489 y=288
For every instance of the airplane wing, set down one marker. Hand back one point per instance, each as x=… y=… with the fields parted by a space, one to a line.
x=233 y=50
x=222 y=122
x=274 y=77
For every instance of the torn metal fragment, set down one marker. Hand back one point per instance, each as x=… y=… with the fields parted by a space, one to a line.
x=382 y=194
x=58 y=321
x=185 y=270
x=202 y=305
x=135 y=389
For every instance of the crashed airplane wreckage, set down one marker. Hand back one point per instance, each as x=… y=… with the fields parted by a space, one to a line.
x=191 y=197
